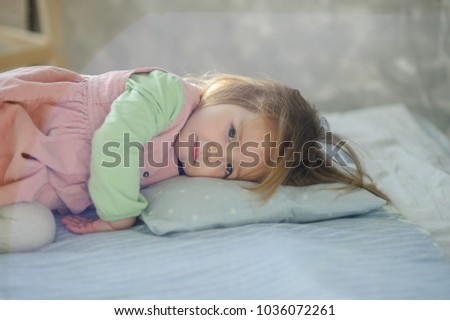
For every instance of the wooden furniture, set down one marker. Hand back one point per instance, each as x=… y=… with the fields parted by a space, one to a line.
x=21 y=47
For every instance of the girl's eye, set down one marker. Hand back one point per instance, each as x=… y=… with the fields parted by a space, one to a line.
x=231 y=136
x=231 y=133
x=229 y=170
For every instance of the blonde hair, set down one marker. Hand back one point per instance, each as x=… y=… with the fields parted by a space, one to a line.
x=298 y=132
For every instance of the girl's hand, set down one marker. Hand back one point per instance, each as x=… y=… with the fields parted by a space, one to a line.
x=81 y=225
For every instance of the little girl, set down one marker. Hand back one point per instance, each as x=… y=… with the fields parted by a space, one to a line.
x=70 y=141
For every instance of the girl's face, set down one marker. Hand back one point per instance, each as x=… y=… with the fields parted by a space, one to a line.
x=224 y=141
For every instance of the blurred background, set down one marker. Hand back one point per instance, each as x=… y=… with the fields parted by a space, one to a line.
x=340 y=54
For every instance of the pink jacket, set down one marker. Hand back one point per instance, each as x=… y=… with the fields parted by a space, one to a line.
x=47 y=119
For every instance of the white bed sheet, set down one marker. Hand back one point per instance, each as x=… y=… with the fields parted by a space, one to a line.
x=409 y=159
x=372 y=256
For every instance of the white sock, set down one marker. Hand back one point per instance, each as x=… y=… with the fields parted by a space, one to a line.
x=25 y=227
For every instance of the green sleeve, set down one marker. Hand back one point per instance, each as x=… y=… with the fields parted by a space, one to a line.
x=149 y=104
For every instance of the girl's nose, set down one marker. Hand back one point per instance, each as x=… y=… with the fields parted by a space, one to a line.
x=214 y=152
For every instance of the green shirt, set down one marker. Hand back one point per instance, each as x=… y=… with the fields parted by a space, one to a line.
x=148 y=105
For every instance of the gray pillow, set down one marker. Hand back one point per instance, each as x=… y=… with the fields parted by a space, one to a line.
x=188 y=204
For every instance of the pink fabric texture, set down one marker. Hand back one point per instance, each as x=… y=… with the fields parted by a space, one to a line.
x=47 y=119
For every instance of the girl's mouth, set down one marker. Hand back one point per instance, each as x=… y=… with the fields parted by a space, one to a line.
x=196 y=148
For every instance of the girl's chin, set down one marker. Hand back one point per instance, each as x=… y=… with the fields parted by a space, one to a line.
x=195 y=172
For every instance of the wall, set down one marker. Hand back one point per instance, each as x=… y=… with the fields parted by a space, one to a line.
x=340 y=54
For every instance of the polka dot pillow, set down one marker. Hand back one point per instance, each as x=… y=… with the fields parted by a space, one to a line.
x=188 y=204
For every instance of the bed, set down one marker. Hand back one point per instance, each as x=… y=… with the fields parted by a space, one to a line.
x=387 y=252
